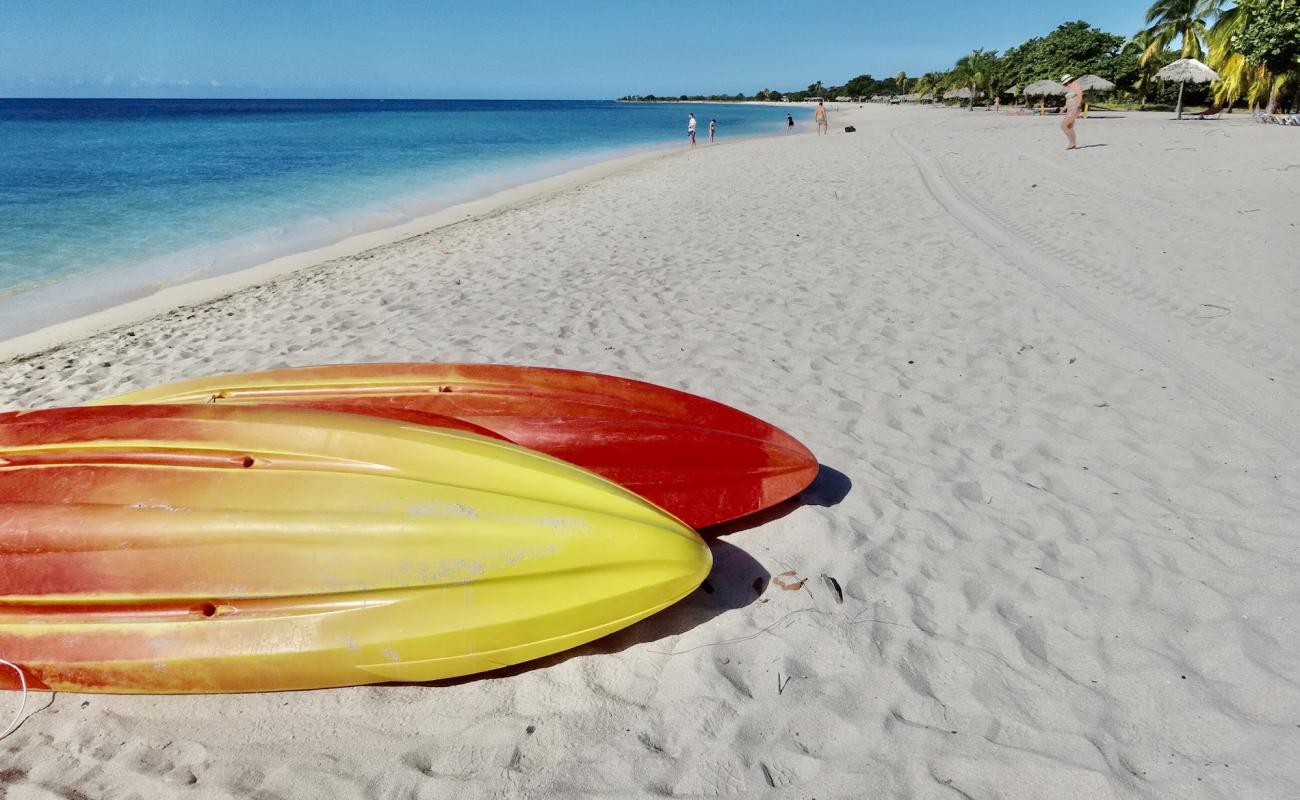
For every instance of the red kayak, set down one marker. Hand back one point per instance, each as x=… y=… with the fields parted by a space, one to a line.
x=700 y=460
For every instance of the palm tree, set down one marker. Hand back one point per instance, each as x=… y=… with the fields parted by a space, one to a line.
x=1141 y=43
x=962 y=77
x=975 y=71
x=1239 y=79
x=926 y=84
x=1238 y=76
x=901 y=80
x=1188 y=20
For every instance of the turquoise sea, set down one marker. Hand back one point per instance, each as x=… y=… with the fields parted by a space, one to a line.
x=102 y=201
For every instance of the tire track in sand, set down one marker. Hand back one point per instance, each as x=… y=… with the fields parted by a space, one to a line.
x=1215 y=329
x=1047 y=266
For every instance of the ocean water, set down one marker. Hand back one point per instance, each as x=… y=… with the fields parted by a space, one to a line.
x=102 y=201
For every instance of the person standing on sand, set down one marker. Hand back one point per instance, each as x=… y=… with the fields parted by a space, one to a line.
x=1073 y=101
x=997 y=104
x=690 y=128
x=789 y=123
x=820 y=116
x=713 y=129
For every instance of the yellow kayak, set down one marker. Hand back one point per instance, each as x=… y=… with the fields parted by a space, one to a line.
x=228 y=549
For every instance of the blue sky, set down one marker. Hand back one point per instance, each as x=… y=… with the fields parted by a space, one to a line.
x=488 y=49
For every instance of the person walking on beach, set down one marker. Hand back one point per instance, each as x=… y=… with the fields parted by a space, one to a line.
x=997 y=104
x=789 y=123
x=1073 y=100
x=713 y=129
x=820 y=116
x=690 y=128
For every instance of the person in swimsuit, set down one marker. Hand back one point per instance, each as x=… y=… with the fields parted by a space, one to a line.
x=789 y=124
x=713 y=129
x=820 y=116
x=1073 y=102
x=690 y=128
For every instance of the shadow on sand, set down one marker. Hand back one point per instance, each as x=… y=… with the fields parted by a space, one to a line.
x=827 y=489
x=735 y=581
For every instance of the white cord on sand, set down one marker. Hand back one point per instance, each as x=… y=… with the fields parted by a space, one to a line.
x=18 y=717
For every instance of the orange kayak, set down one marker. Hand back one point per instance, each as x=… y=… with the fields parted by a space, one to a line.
x=702 y=461
x=193 y=548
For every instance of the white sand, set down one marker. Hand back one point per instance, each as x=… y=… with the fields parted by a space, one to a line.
x=1063 y=386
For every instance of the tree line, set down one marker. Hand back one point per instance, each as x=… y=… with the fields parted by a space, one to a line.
x=863 y=86
x=1254 y=45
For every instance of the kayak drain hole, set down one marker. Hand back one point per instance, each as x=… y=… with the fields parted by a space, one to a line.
x=247 y=462
x=208 y=610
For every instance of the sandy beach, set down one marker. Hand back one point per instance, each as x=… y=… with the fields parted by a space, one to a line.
x=1053 y=550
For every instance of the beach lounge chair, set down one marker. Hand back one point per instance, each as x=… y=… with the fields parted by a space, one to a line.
x=1268 y=119
x=1213 y=112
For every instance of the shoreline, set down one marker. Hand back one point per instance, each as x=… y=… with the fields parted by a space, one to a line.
x=150 y=295
x=188 y=293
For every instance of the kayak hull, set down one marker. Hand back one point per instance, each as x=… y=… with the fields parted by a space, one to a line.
x=186 y=548
x=702 y=461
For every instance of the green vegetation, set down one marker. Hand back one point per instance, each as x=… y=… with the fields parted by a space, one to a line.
x=863 y=86
x=1185 y=20
x=1257 y=51
x=979 y=72
x=1075 y=47
x=1254 y=45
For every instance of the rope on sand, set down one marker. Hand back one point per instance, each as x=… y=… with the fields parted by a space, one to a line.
x=18 y=716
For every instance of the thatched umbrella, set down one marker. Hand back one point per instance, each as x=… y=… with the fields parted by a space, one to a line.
x=1184 y=70
x=1041 y=89
x=1094 y=83
x=963 y=93
x=1014 y=90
